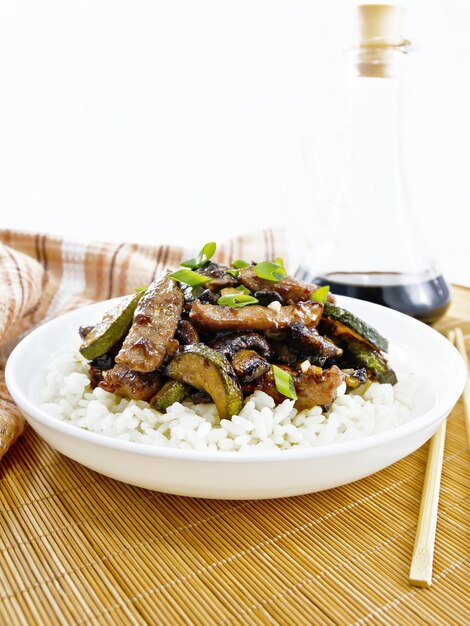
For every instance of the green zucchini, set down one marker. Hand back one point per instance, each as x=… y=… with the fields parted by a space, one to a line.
x=171 y=392
x=208 y=370
x=373 y=361
x=345 y=323
x=114 y=325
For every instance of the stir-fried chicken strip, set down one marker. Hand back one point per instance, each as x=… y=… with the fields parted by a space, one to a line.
x=219 y=318
x=128 y=384
x=155 y=321
x=315 y=387
x=290 y=289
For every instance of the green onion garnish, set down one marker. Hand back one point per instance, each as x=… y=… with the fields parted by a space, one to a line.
x=321 y=294
x=141 y=289
x=240 y=264
x=284 y=382
x=202 y=257
x=236 y=300
x=234 y=273
x=190 y=278
x=243 y=289
x=269 y=270
x=279 y=261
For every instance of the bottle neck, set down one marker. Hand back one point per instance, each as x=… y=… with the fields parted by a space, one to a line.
x=375 y=108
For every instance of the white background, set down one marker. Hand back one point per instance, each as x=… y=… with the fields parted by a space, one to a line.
x=182 y=121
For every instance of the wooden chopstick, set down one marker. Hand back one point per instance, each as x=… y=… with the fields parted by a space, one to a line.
x=423 y=551
x=460 y=345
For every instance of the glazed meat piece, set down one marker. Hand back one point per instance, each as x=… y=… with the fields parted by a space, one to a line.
x=249 y=365
x=218 y=318
x=315 y=387
x=290 y=289
x=154 y=324
x=230 y=344
x=186 y=333
x=219 y=277
x=128 y=384
x=311 y=342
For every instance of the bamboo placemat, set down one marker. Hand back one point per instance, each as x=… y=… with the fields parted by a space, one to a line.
x=79 y=548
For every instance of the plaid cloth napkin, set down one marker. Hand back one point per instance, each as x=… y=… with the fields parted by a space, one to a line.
x=43 y=276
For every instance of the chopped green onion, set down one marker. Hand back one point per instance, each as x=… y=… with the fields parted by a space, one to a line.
x=240 y=264
x=321 y=294
x=236 y=301
x=279 y=261
x=243 y=289
x=234 y=273
x=193 y=293
x=284 y=382
x=141 y=289
x=269 y=270
x=202 y=257
x=190 y=278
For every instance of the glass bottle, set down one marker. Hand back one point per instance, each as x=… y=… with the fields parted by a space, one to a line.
x=372 y=246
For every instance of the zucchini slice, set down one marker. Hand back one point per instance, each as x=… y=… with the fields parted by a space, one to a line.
x=373 y=361
x=208 y=370
x=345 y=323
x=171 y=392
x=114 y=325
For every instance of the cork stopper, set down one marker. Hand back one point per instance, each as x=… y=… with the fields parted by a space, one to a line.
x=380 y=25
x=380 y=40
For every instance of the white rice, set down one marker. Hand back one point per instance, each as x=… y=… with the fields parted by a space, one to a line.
x=261 y=425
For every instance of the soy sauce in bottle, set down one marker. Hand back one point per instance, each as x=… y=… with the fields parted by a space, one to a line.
x=425 y=297
x=372 y=246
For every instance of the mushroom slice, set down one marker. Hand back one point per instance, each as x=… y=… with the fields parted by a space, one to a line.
x=249 y=365
x=312 y=342
x=230 y=344
x=186 y=333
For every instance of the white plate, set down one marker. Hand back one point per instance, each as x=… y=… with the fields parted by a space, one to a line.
x=437 y=365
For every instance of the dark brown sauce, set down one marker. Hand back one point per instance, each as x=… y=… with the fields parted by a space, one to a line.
x=426 y=300
x=142 y=319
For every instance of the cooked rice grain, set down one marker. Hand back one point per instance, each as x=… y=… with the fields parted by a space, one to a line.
x=261 y=424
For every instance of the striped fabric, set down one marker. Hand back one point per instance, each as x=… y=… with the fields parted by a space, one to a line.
x=43 y=276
